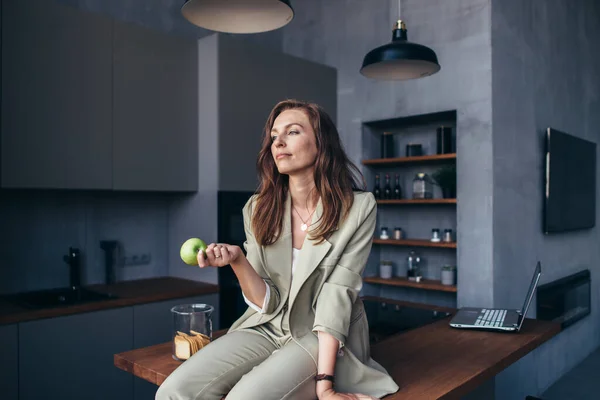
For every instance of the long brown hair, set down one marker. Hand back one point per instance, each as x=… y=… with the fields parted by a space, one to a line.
x=335 y=176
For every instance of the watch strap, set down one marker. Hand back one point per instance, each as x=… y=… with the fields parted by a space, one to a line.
x=324 y=377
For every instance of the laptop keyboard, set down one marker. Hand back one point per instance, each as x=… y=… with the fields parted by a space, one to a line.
x=490 y=318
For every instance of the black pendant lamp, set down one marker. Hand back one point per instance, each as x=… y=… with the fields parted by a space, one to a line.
x=238 y=16
x=400 y=59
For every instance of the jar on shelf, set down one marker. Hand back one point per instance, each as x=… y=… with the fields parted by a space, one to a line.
x=449 y=275
x=422 y=186
x=398 y=233
x=448 y=235
x=384 y=233
x=386 y=269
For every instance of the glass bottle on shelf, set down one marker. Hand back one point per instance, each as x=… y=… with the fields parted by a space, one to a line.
x=397 y=188
x=377 y=188
x=422 y=187
x=413 y=269
x=387 y=189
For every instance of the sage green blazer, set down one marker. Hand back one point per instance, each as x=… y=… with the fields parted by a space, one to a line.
x=323 y=294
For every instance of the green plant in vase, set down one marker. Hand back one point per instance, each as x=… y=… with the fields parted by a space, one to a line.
x=445 y=178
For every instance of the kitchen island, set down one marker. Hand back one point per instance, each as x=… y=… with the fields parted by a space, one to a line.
x=433 y=361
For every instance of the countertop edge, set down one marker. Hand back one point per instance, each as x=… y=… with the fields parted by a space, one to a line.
x=191 y=288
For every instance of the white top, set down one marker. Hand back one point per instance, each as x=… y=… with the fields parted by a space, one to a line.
x=295 y=253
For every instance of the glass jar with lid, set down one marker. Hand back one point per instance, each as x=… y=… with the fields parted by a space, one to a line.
x=422 y=186
x=192 y=329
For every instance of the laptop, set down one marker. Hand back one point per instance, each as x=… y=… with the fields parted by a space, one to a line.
x=497 y=319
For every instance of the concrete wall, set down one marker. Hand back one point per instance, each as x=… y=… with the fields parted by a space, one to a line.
x=545 y=72
x=340 y=32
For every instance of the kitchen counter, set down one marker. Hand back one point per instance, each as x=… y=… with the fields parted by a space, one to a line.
x=128 y=293
x=434 y=361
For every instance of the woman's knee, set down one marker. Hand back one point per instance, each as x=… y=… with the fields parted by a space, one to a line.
x=287 y=374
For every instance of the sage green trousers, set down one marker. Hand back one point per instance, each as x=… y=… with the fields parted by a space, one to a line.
x=251 y=364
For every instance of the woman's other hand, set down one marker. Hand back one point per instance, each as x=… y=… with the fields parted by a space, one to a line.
x=219 y=255
x=331 y=394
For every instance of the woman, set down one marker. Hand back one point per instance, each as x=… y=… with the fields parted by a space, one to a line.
x=309 y=232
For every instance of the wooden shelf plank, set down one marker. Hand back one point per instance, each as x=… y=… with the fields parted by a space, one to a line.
x=410 y=160
x=415 y=243
x=417 y=201
x=425 y=284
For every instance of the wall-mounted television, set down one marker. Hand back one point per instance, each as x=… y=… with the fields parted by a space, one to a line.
x=570 y=183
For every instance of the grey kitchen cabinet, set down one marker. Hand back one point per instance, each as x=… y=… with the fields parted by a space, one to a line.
x=153 y=324
x=56 y=97
x=155 y=110
x=71 y=357
x=9 y=351
x=93 y=103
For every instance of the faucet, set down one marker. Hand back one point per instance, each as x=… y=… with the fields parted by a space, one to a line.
x=112 y=257
x=74 y=261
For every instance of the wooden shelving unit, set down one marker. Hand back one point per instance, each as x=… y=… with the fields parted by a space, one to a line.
x=415 y=243
x=425 y=284
x=405 y=212
x=410 y=160
x=417 y=201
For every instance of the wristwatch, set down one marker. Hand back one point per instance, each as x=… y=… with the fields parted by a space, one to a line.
x=324 y=377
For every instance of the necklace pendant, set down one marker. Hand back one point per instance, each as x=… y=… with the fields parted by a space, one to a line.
x=303 y=227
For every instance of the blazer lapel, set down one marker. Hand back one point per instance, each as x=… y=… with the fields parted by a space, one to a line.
x=310 y=256
x=279 y=254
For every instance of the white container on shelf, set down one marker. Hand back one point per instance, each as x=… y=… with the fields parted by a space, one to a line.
x=386 y=269
x=449 y=275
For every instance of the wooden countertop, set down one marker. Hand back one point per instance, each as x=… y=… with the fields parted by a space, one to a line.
x=440 y=362
x=431 y=362
x=128 y=293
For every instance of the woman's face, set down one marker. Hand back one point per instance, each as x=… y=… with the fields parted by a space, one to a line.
x=293 y=142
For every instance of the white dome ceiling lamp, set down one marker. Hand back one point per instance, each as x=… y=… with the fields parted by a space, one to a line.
x=238 y=16
x=400 y=59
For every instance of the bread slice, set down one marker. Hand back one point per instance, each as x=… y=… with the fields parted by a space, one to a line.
x=182 y=348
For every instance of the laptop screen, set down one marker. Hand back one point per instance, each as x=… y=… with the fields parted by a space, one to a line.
x=532 y=286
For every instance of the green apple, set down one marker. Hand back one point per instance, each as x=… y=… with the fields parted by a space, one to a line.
x=189 y=250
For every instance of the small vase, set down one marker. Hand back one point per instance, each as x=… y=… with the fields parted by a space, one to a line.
x=448 y=277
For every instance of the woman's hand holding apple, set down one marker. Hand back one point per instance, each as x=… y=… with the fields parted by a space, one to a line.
x=195 y=252
x=219 y=255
